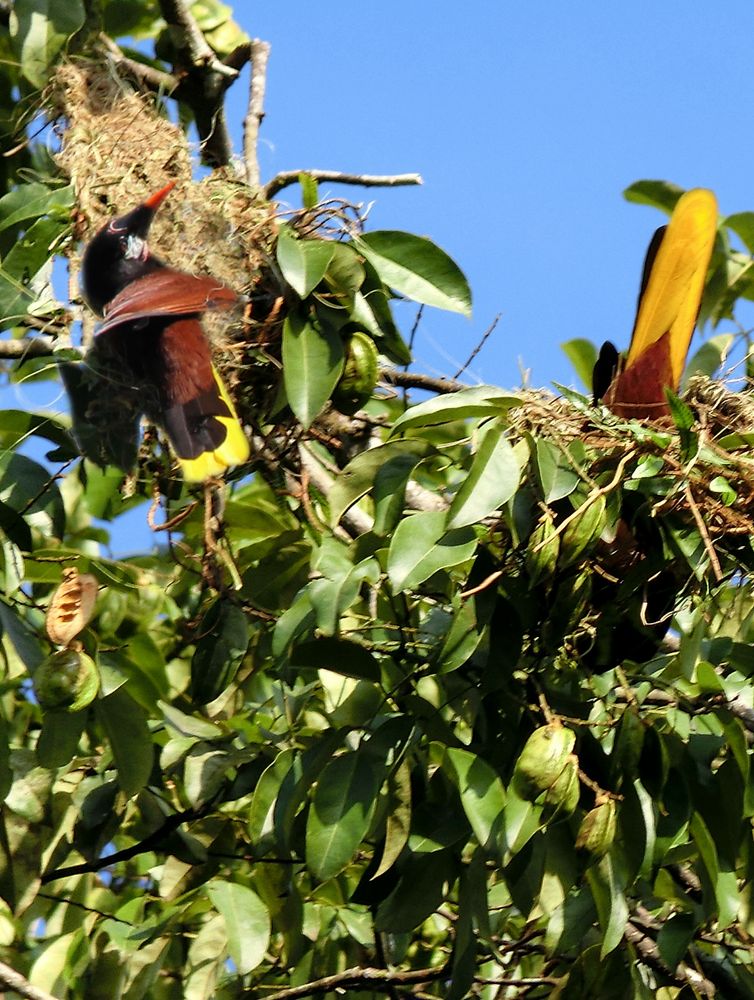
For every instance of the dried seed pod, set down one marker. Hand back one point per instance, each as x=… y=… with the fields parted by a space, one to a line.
x=71 y=606
x=542 y=759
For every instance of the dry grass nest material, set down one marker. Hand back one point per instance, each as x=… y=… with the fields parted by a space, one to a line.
x=118 y=147
x=693 y=469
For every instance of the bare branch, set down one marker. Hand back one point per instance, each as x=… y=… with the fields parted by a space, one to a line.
x=366 y=979
x=192 y=40
x=203 y=80
x=26 y=347
x=289 y=177
x=415 y=380
x=260 y=53
x=147 y=77
x=12 y=980
x=149 y=843
x=650 y=955
x=354 y=519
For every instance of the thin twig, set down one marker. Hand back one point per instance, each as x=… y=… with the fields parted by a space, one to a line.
x=14 y=981
x=365 y=979
x=479 y=346
x=416 y=380
x=709 y=548
x=141 y=847
x=260 y=53
x=288 y=177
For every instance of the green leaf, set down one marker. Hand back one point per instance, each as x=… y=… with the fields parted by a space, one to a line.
x=491 y=481
x=30 y=201
x=476 y=401
x=582 y=354
x=556 y=472
x=422 y=545
x=342 y=656
x=313 y=359
x=358 y=477
x=224 y=632
x=126 y=727
x=659 y=194
x=482 y=793
x=262 y=809
x=418 y=269
x=461 y=639
x=340 y=813
x=309 y=190
x=18 y=425
x=303 y=262
x=247 y=922
x=398 y=823
x=742 y=224
x=38 y=30
x=722 y=882
x=24 y=641
x=710 y=357
x=608 y=892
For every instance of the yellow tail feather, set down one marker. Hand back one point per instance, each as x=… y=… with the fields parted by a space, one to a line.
x=674 y=290
x=234 y=450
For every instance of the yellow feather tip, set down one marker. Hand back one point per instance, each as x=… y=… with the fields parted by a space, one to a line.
x=676 y=282
x=234 y=450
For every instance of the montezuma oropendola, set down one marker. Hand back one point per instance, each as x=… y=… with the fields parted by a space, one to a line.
x=152 y=327
x=669 y=298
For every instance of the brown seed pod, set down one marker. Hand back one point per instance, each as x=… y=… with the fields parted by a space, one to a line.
x=71 y=606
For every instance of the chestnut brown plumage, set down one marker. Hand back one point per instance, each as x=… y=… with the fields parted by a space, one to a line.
x=152 y=326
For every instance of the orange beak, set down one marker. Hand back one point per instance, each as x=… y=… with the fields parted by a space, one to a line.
x=155 y=200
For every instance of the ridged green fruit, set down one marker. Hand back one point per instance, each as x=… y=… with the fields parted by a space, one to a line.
x=359 y=377
x=581 y=534
x=542 y=551
x=563 y=794
x=67 y=679
x=542 y=759
x=597 y=831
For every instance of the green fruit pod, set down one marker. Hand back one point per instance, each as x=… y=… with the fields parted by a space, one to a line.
x=359 y=377
x=563 y=794
x=597 y=831
x=67 y=679
x=542 y=551
x=582 y=533
x=542 y=759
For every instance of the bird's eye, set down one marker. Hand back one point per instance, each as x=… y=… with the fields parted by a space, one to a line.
x=123 y=244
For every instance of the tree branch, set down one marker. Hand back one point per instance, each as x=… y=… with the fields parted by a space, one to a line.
x=12 y=980
x=358 y=979
x=415 y=380
x=289 y=177
x=26 y=347
x=141 y=847
x=649 y=954
x=203 y=80
x=147 y=77
x=260 y=53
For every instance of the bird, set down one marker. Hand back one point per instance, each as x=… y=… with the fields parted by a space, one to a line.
x=670 y=295
x=152 y=332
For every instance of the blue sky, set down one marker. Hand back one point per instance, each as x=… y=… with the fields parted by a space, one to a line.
x=527 y=121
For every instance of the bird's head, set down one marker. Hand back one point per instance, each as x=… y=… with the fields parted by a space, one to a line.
x=119 y=253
